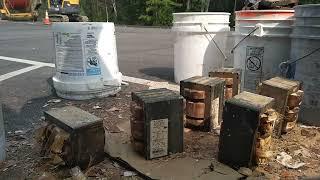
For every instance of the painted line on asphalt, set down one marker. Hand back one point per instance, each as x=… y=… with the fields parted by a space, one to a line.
x=37 y=65
x=18 y=72
x=26 y=61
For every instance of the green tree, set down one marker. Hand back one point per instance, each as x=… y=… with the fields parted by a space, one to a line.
x=159 y=12
x=129 y=11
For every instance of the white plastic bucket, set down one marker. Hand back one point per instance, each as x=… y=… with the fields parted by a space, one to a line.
x=305 y=40
x=86 y=60
x=199 y=44
x=259 y=54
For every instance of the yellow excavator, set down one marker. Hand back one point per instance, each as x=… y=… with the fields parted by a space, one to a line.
x=19 y=10
x=58 y=10
x=65 y=11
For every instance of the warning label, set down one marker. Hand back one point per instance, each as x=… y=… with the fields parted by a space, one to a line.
x=69 y=53
x=158 y=138
x=91 y=55
x=77 y=51
x=254 y=63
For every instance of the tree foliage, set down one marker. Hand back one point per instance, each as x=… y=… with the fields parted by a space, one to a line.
x=155 y=12
x=159 y=12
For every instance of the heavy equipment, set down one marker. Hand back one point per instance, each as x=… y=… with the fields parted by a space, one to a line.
x=269 y=4
x=65 y=10
x=20 y=10
x=59 y=10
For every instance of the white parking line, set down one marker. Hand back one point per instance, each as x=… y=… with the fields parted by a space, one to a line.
x=25 y=61
x=18 y=72
x=36 y=65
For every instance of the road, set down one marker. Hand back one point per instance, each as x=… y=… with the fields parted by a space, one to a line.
x=142 y=52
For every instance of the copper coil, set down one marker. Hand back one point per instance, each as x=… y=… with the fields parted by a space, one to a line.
x=295 y=99
x=195 y=109
x=292 y=115
x=194 y=94
x=229 y=81
x=228 y=93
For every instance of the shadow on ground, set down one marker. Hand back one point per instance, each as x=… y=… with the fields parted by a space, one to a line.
x=29 y=114
x=163 y=73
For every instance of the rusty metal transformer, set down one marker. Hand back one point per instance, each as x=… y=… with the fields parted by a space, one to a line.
x=73 y=137
x=246 y=130
x=288 y=98
x=204 y=102
x=232 y=76
x=157 y=122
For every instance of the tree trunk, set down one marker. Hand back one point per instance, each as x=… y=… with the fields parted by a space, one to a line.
x=207 y=5
x=115 y=9
x=202 y=5
x=188 y=5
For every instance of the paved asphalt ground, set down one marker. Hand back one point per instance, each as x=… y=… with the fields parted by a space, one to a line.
x=142 y=52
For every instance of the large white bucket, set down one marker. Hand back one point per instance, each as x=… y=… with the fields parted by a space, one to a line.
x=306 y=41
x=262 y=40
x=199 y=44
x=86 y=60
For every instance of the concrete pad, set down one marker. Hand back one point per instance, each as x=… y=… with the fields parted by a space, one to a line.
x=118 y=146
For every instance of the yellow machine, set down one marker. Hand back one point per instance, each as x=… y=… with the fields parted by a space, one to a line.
x=19 y=10
x=65 y=10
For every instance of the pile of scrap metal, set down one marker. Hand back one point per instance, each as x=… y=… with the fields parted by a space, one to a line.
x=269 y=4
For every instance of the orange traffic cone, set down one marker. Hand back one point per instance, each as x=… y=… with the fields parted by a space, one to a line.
x=46 y=19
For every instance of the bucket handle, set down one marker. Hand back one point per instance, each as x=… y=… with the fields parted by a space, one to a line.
x=259 y=33
x=287 y=67
x=215 y=43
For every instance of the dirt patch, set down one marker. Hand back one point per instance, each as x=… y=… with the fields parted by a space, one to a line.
x=303 y=145
x=24 y=161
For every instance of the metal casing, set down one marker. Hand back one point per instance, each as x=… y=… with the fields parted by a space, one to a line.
x=163 y=106
x=241 y=118
x=86 y=134
x=214 y=94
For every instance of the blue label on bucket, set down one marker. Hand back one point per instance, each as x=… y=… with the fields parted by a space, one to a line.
x=93 y=71
x=91 y=54
x=93 y=66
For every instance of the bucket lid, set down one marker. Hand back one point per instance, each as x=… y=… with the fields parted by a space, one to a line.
x=202 y=13
x=308 y=10
x=264 y=14
x=307 y=6
x=201 y=17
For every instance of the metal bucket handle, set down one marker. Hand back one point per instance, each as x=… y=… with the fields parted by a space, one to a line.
x=204 y=26
x=287 y=67
x=257 y=31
